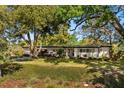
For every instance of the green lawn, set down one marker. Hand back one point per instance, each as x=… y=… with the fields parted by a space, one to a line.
x=49 y=73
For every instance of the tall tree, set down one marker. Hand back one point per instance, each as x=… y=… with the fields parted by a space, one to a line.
x=104 y=16
x=30 y=22
x=3 y=20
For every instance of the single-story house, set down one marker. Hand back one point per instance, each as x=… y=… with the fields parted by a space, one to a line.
x=93 y=51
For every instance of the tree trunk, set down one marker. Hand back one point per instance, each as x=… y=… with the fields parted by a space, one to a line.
x=36 y=49
x=31 y=49
x=33 y=44
x=118 y=27
x=110 y=50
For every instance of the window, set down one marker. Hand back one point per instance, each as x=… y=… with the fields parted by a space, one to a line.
x=81 y=50
x=88 y=50
x=93 y=50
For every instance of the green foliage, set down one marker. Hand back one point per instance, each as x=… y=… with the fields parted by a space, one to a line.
x=43 y=74
x=57 y=73
x=22 y=43
x=72 y=40
x=60 y=52
x=121 y=45
x=3 y=50
x=3 y=45
x=118 y=50
x=8 y=51
x=15 y=50
x=115 y=48
x=48 y=25
x=32 y=18
x=59 y=38
x=3 y=17
x=91 y=41
x=9 y=68
x=39 y=21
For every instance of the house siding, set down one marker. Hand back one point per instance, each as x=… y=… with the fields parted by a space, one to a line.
x=74 y=51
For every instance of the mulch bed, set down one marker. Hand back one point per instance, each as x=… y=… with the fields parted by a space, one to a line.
x=12 y=84
x=42 y=84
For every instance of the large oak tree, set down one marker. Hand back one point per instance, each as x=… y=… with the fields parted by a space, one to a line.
x=30 y=22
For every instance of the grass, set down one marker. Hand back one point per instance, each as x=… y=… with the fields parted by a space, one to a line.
x=44 y=73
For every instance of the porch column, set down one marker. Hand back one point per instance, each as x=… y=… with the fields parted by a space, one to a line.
x=75 y=52
x=66 y=52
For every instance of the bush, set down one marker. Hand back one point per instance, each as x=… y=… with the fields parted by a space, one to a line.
x=3 y=49
x=9 y=68
x=105 y=58
x=60 y=52
x=15 y=50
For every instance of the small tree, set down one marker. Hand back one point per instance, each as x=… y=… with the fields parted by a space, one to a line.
x=7 y=67
x=3 y=50
x=121 y=49
x=118 y=50
x=15 y=50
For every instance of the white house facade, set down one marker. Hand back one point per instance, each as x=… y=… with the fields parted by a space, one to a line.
x=93 y=51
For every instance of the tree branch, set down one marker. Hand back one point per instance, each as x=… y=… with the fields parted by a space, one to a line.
x=83 y=20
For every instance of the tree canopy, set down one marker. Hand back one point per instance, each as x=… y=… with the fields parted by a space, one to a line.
x=50 y=25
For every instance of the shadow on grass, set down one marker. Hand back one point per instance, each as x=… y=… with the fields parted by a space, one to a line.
x=112 y=76
x=54 y=72
x=110 y=80
x=68 y=60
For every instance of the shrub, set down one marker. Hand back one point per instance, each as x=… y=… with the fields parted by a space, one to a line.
x=60 y=52
x=121 y=58
x=9 y=68
x=15 y=50
x=105 y=58
x=3 y=50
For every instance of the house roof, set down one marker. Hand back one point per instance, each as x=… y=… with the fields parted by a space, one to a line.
x=51 y=46
x=76 y=46
x=84 y=46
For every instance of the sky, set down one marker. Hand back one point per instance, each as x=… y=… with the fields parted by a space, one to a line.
x=80 y=33
x=84 y=34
